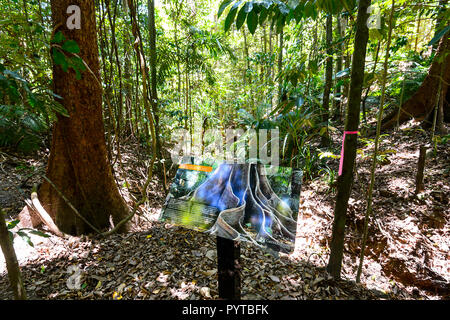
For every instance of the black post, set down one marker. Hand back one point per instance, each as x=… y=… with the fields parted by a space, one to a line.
x=229 y=278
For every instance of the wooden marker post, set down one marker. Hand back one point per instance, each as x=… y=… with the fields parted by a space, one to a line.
x=420 y=169
x=228 y=269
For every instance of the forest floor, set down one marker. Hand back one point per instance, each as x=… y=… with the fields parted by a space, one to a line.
x=407 y=255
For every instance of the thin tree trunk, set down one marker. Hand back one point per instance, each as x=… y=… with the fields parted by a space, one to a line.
x=419 y=16
x=186 y=96
x=328 y=79
x=345 y=181
x=440 y=128
x=119 y=111
x=247 y=58
x=102 y=44
x=339 y=65
x=137 y=108
x=153 y=73
x=377 y=138
x=138 y=47
x=178 y=63
x=128 y=123
x=15 y=277
x=280 y=67
x=264 y=51
x=271 y=53
x=271 y=67
x=439 y=26
x=377 y=54
x=347 y=66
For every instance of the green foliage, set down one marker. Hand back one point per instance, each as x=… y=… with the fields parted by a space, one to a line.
x=367 y=152
x=20 y=130
x=443 y=140
x=22 y=116
x=23 y=232
x=439 y=35
x=27 y=104
x=256 y=12
x=64 y=53
x=329 y=175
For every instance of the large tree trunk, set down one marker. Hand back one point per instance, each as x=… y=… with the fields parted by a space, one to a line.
x=345 y=181
x=423 y=102
x=78 y=163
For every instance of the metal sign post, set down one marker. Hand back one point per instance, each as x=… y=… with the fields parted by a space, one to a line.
x=228 y=269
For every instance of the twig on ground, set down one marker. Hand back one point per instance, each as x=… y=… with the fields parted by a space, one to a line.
x=70 y=205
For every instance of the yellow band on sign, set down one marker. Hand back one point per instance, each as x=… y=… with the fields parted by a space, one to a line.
x=195 y=167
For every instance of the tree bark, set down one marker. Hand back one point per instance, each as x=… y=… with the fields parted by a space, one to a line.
x=366 y=95
x=345 y=181
x=423 y=102
x=78 y=163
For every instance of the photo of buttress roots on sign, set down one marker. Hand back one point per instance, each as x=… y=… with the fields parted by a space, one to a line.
x=242 y=202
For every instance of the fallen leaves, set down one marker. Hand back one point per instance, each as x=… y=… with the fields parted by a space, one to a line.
x=132 y=266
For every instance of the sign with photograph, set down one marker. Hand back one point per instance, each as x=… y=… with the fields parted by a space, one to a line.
x=242 y=202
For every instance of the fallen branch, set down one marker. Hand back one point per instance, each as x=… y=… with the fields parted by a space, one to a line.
x=43 y=215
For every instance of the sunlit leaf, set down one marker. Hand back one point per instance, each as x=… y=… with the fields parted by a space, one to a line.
x=438 y=36
x=12 y=224
x=240 y=19
x=223 y=6
x=231 y=15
